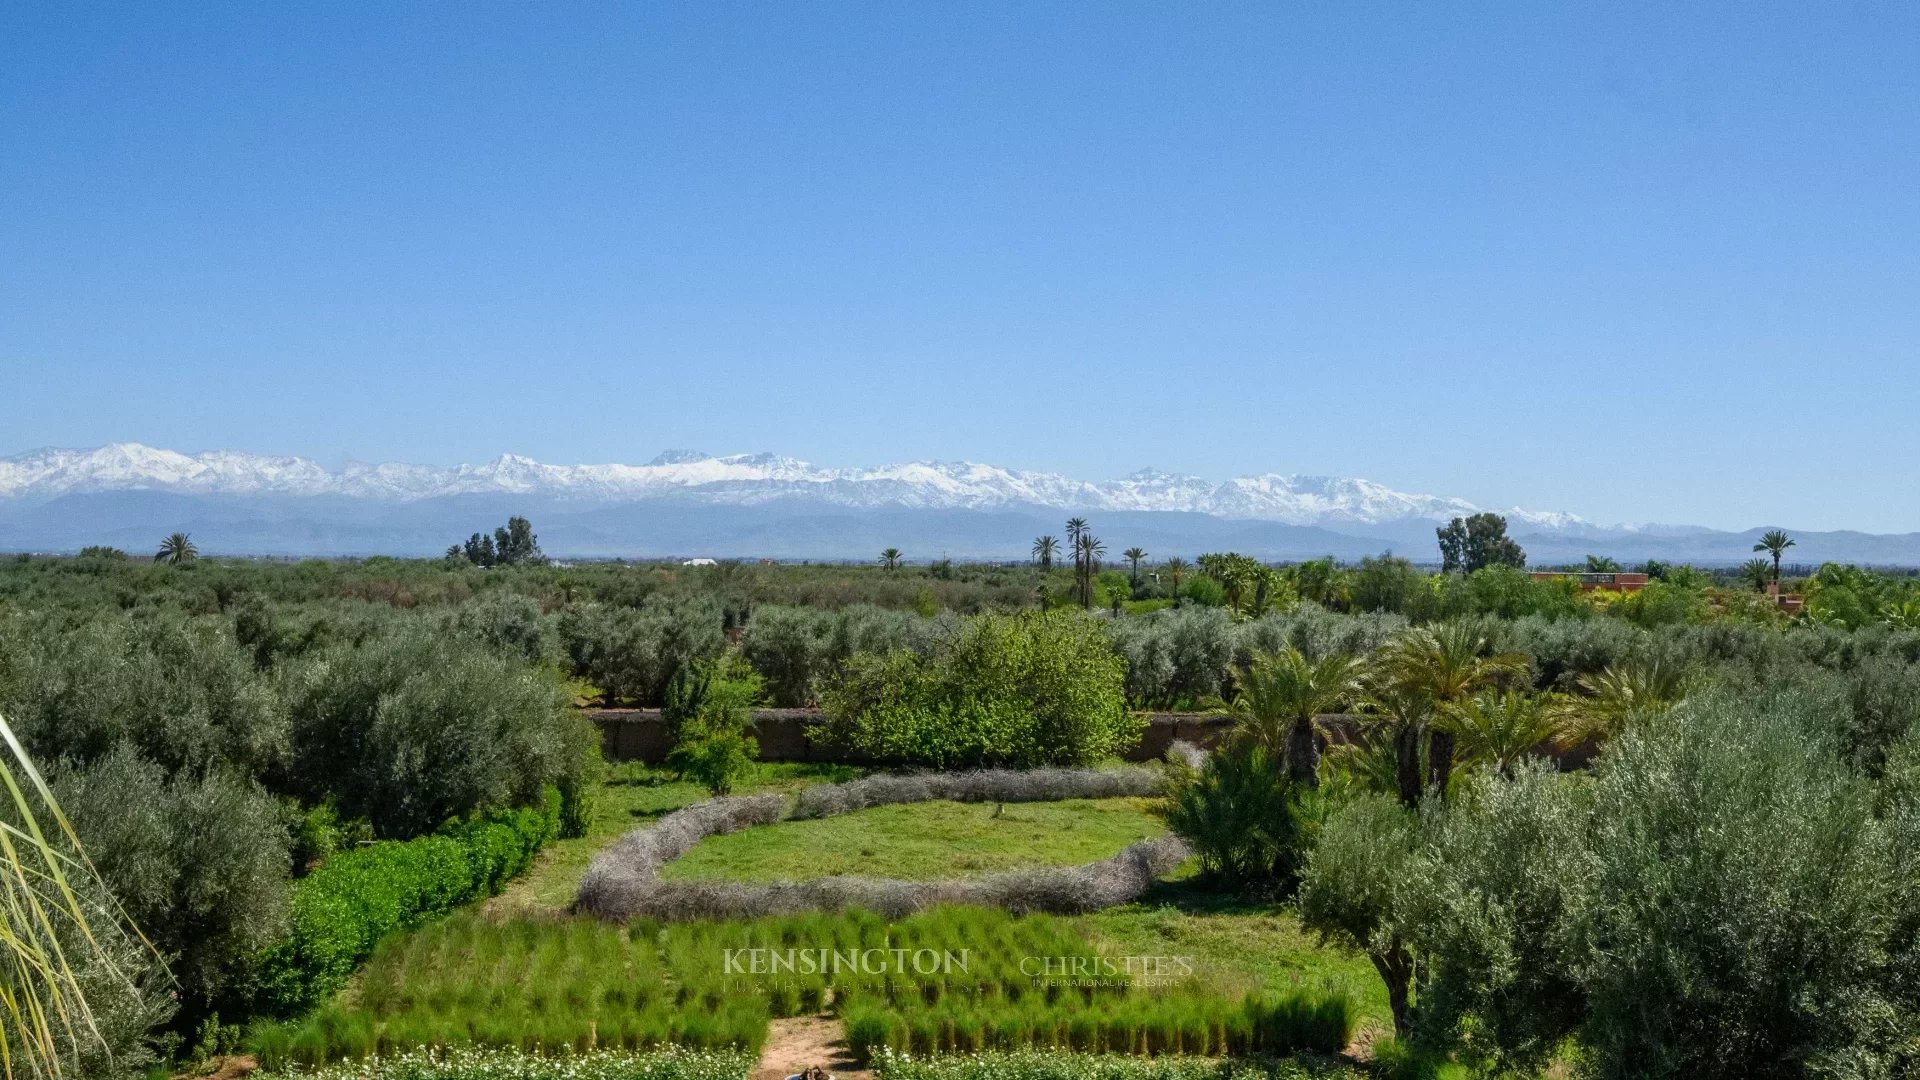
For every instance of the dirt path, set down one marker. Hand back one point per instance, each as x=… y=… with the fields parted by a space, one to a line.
x=793 y=1043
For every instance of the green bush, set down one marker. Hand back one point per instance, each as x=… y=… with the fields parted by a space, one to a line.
x=1020 y=690
x=712 y=747
x=1741 y=899
x=341 y=910
x=633 y=653
x=789 y=647
x=198 y=863
x=410 y=731
x=1245 y=820
x=1055 y=1065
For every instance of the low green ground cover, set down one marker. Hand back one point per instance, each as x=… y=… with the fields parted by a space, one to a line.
x=925 y=841
x=948 y=980
x=633 y=795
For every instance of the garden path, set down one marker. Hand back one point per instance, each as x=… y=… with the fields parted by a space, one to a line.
x=796 y=1042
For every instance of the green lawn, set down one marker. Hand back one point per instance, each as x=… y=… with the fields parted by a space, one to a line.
x=925 y=841
x=633 y=795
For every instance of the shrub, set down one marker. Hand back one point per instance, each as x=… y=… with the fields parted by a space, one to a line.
x=341 y=910
x=198 y=863
x=1362 y=886
x=1739 y=904
x=506 y=622
x=1243 y=817
x=176 y=688
x=1509 y=878
x=789 y=647
x=713 y=747
x=633 y=653
x=410 y=731
x=1052 y=1065
x=1034 y=689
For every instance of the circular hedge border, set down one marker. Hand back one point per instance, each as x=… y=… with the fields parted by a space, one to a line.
x=623 y=882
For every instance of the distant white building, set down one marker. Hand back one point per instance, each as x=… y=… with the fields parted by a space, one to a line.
x=700 y=562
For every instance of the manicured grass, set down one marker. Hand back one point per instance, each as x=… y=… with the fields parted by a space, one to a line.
x=633 y=795
x=925 y=841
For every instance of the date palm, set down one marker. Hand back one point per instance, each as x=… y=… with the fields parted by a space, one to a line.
x=1774 y=542
x=890 y=558
x=1176 y=569
x=1407 y=713
x=1447 y=665
x=1615 y=697
x=1134 y=556
x=176 y=550
x=1044 y=549
x=1500 y=728
x=1088 y=549
x=1755 y=572
x=47 y=933
x=1282 y=693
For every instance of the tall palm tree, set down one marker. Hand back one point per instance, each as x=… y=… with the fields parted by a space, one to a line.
x=1774 y=542
x=1044 y=549
x=1447 y=665
x=1176 y=569
x=1282 y=693
x=1134 y=555
x=176 y=549
x=47 y=933
x=1602 y=564
x=1088 y=549
x=1755 y=571
x=890 y=558
x=1076 y=528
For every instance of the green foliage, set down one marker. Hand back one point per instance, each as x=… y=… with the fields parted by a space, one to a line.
x=1383 y=583
x=1505 y=887
x=1476 y=542
x=410 y=730
x=1363 y=888
x=1740 y=898
x=341 y=910
x=633 y=653
x=713 y=747
x=1249 y=824
x=513 y=544
x=1056 y=1065
x=1032 y=689
x=504 y=621
x=479 y=1063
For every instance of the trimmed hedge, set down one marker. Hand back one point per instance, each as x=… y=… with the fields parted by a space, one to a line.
x=343 y=909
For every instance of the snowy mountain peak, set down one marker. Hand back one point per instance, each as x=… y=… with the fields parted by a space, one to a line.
x=740 y=479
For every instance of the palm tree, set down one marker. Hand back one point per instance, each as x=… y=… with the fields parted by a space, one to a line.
x=1774 y=542
x=176 y=549
x=47 y=933
x=1602 y=564
x=1087 y=552
x=1446 y=665
x=1408 y=712
x=1134 y=555
x=1044 y=549
x=1501 y=728
x=1076 y=528
x=890 y=558
x=1755 y=572
x=1176 y=569
x=1280 y=696
x=1618 y=695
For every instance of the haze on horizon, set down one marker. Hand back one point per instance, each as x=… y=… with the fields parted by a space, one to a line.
x=1636 y=264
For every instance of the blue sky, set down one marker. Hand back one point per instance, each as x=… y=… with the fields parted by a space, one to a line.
x=1624 y=260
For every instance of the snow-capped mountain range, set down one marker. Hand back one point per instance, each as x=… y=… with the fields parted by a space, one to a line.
x=739 y=480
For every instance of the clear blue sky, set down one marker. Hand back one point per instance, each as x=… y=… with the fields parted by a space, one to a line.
x=1634 y=262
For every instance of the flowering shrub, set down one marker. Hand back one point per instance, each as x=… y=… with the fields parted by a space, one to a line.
x=474 y=1063
x=1037 y=1065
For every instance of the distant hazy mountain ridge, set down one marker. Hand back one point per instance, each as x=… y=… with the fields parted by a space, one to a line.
x=741 y=479
x=685 y=502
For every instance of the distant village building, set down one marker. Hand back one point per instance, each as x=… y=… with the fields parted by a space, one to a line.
x=701 y=562
x=1592 y=582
